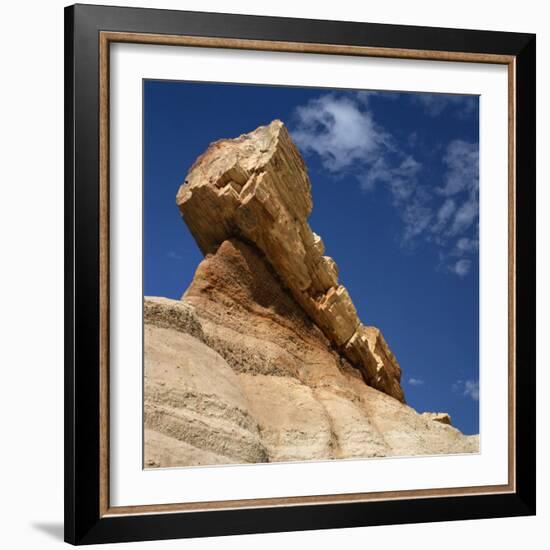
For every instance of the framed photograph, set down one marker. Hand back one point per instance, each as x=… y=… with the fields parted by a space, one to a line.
x=300 y=274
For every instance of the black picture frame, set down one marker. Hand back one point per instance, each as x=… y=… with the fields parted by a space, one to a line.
x=84 y=523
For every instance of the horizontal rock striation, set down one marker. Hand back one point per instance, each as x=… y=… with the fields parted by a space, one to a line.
x=193 y=400
x=255 y=188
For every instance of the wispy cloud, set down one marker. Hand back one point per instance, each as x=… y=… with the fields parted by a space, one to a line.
x=436 y=104
x=471 y=388
x=461 y=189
x=342 y=130
x=462 y=161
x=444 y=213
x=468 y=388
x=173 y=255
x=465 y=244
x=461 y=267
x=400 y=177
x=416 y=382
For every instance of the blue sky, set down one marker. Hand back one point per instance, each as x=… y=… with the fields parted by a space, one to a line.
x=395 y=194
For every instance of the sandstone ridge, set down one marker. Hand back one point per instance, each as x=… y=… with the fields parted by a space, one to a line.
x=237 y=372
x=255 y=188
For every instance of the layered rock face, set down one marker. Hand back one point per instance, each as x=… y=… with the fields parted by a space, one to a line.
x=264 y=358
x=236 y=372
x=256 y=188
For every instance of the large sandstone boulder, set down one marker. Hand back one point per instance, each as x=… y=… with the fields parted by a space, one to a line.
x=256 y=188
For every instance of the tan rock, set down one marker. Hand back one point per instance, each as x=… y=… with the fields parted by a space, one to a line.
x=236 y=372
x=193 y=399
x=442 y=417
x=292 y=422
x=255 y=188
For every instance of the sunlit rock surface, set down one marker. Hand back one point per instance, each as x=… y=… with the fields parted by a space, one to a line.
x=256 y=188
x=236 y=372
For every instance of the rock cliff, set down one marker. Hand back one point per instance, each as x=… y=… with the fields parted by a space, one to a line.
x=264 y=358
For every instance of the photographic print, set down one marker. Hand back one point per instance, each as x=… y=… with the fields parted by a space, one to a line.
x=299 y=274
x=310 y=274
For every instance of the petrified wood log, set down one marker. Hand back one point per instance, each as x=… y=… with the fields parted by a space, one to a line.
x=256 y=188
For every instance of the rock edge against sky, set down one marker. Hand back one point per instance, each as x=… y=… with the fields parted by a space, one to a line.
x=264 y=358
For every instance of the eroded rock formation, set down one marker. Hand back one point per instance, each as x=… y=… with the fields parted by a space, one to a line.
x=264 y=358
x=236 y=372
x=256 y=188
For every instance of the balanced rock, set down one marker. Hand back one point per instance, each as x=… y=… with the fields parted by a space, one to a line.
x=255 y=188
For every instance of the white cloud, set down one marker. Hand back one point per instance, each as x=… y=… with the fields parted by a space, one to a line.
x=444 y=214
x=416 y=382
x=458 y=216
x=342 y=131
x=467 y=245
x=339 y=131
x=471 y=389
x=417 y=217
x=468 y=388
x=446 y=211
x=465 y=216
x=364 y=96
x=462 y=161
x=410 y=198
x=340 y=128
x=435 y=104
x=461 y=267
x=174 y=255
x=401 y=178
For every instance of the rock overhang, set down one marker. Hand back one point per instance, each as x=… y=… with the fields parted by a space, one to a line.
x=256 y=188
